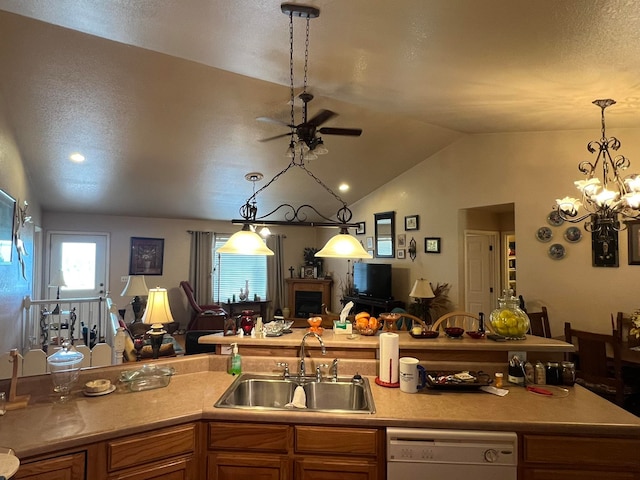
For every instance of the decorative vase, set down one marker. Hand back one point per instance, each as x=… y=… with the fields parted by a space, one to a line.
x=509 y=320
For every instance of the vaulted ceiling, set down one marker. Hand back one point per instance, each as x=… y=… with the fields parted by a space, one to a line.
x=161 y=96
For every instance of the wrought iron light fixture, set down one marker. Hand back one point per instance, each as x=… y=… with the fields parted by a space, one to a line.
x=607 y=198
x=303 y=142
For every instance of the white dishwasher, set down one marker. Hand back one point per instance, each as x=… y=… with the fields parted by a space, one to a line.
x=435 y=454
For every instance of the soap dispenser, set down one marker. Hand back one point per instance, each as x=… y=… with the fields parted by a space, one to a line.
x=235 y=361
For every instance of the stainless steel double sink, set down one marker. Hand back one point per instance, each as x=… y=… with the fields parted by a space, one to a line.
x=268 y=392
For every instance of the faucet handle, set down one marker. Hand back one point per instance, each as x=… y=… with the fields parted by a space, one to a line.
x=286 y=368
x=334 y=369
x=319 y=371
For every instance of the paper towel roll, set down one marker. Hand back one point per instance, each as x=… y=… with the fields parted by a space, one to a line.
x=389 y=353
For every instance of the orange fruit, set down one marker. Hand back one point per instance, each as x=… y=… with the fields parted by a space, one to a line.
x=362 y=315
x=373 y=323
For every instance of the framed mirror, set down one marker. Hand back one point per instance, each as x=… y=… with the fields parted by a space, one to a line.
x=385 y=232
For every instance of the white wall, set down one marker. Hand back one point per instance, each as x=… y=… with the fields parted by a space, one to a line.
x=530 y=170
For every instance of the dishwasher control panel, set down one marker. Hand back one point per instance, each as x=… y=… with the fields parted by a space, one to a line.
x=451 y=446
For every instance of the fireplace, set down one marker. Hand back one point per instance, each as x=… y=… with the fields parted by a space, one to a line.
x=307 y=295
x=307 y=304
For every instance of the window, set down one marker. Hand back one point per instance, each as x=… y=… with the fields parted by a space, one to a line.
x=231 y=273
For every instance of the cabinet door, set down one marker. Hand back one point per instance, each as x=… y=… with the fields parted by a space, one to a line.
x=179 y=469
x=65 y=467
x=575 y=474
x=239 y=466
x=322 y=468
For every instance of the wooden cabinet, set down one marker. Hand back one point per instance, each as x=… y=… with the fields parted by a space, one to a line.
x=549 y=457
x=242 y=451
x=63 y=467
x=168 y=453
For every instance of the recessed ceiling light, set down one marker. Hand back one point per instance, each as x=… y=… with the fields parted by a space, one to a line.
x=343 y=187
x=76 y=157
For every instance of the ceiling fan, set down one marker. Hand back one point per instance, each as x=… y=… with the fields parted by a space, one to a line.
x=307 y=130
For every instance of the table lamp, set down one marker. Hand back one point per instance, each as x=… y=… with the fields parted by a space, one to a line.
x=157 y=313
x=422 y=290
x=136 y=287
x=57 y=281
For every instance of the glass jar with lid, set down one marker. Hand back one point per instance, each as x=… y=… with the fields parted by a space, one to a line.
x=509 y=320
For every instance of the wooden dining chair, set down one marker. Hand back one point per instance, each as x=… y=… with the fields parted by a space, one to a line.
x=539 y=322
x=598 y=363
x=466 y=320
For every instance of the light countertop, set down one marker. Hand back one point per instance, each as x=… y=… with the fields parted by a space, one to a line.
x=201 y=379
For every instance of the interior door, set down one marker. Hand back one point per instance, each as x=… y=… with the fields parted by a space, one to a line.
x=83 y=260
x=480 y=271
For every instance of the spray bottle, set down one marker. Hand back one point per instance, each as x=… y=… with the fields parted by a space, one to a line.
x=235 y=361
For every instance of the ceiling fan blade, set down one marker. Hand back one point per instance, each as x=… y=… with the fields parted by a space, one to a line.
x=273 y=120
x=354 y=132
x=321 y=117
x=277 y=136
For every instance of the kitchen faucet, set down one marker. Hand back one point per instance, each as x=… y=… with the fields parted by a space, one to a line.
x=301 y=371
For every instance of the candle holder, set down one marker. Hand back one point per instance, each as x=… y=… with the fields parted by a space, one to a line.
x=155 y=336
x=138 y=343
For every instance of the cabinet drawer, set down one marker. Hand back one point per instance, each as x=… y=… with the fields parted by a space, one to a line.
x=151 y=446
x=555 y=474
x=69 y=466
x=358 y=441
x=249 y=437
x=614 y=452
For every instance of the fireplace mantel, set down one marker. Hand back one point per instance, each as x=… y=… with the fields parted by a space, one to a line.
x=308 y=285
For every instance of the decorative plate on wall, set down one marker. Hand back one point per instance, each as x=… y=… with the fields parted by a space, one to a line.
x=554 y=219
x=557 y=251
x=573 y=234
x=544 y=234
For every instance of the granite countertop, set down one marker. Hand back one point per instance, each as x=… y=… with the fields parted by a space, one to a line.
x=201 y=379
x=406 y=341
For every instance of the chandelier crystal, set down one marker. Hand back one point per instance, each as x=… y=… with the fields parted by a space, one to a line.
x=608 y=197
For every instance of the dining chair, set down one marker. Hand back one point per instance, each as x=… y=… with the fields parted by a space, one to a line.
x=598 y=363
x=466 y=320
x=539 y=323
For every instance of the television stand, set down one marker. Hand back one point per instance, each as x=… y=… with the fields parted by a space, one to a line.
x=375 y=306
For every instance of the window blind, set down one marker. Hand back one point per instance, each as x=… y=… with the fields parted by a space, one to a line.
x=231 y=273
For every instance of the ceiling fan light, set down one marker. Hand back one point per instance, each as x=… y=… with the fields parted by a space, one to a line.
x=320 y=148
x=343 y=245
x=310 y=155
x=245 y=242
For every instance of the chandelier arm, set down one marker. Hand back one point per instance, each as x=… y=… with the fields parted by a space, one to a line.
x=310 y=173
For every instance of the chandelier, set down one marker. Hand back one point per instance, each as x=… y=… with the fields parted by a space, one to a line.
x=607 y=198
x=304 y=145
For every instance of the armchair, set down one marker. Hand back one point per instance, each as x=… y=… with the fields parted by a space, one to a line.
x=204 y=317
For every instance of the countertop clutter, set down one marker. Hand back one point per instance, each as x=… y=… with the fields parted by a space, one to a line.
x=200 y=380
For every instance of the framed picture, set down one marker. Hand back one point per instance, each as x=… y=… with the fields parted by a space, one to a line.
x=411 y=222
x=7 y=216
x=402 y=241
x=633 y=233
x=309 y=271
x=604 y=249
x=432 y=245
x=369 y=243
x=146 y=256
x=401 y=253
x=361 y=228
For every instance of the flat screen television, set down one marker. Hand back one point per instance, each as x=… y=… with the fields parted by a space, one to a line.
x=372 y=280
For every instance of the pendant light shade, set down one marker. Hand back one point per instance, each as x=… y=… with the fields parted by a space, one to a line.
x=343 y=245
x=245 y=242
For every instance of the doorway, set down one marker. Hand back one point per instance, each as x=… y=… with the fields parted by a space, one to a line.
x=482 y=272
x=83 y=260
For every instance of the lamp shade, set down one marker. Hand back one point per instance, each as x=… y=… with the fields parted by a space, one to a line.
x=245 y=242
x=158 y=310
x=57 y=279
x=343 y=245
x=422 y=289
x=135 y=287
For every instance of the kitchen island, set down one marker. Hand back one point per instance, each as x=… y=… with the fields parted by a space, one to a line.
x=118 y=433
x=465 y=349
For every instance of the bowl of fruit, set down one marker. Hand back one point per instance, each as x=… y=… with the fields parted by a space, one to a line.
x=365 y=324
